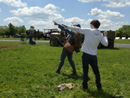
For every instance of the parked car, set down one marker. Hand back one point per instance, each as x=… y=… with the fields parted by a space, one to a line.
x=17 y=36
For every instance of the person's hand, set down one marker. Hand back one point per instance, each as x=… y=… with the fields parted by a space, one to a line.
x=64 y=25
x=105 y=33
x=55 y=23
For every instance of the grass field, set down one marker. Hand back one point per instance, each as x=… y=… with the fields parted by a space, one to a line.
x=17 y=38
x=122 y=41
x=28 y=71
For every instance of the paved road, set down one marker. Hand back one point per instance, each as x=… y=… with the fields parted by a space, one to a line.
x=27 y=41
x=122 y=45
x=115 y=44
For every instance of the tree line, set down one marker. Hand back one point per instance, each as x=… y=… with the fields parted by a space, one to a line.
x=11 y=30
x=124 y=31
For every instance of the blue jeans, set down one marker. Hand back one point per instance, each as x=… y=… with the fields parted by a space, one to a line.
x=62 y=58
x=92 y=60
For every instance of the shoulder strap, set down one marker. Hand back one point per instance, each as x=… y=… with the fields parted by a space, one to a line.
x=67 y=36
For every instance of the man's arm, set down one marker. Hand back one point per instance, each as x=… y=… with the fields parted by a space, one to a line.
x=104 y=40
x=63 y=28
x=77 y=29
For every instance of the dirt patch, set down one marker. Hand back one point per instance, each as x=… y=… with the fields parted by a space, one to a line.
x=10 y=46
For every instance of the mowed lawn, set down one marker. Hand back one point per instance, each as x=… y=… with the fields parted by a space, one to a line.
x=28 y=71
x=122 y=41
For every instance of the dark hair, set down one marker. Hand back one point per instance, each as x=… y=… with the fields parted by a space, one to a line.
x=95 y=23
x=77 y=25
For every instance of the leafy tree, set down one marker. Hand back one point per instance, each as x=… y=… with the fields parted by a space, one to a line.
x=22 y=29
x=1 y=31
x=119 y=33
x=40 y=32
x=4 y=30
x=17 y=30
x=12 y=29
x=32 y=28
x=23 y=35
x=7 y=32
x=123 y=32
x=126 y=30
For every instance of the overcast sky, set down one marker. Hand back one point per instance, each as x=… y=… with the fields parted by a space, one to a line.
x=112 y=14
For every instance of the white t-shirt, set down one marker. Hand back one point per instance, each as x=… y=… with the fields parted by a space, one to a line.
x=92 y=39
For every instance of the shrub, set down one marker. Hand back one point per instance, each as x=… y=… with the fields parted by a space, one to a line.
x=22 y=35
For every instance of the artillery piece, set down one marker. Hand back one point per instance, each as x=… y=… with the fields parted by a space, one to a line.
x=111 y=38
x=57 y=38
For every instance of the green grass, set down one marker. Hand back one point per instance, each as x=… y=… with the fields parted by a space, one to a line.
x=9 y=38
x=1 y=38
x=122 y=41
x=28 y=71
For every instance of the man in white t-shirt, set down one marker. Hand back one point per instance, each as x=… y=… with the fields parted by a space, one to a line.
x=89 y=48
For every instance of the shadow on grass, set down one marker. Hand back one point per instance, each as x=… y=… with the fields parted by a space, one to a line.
x=115 y=48
x=76 y=77
x=101 y=94
x=94 y=94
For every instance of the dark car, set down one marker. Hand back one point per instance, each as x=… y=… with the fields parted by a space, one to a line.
x=17 y=36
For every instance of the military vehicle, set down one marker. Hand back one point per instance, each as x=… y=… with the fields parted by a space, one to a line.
x=48 y=31
x=111 y=38
x=57 y=38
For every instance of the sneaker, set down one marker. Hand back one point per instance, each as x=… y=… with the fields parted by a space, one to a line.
x=58 y=71
x=81 y=87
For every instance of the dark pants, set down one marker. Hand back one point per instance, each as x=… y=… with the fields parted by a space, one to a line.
x=92 y=60
x=62 y=58
x=31 y=41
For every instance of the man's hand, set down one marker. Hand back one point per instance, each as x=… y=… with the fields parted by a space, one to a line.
x=105 y=33
x=55 y=23
x=64 y=25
